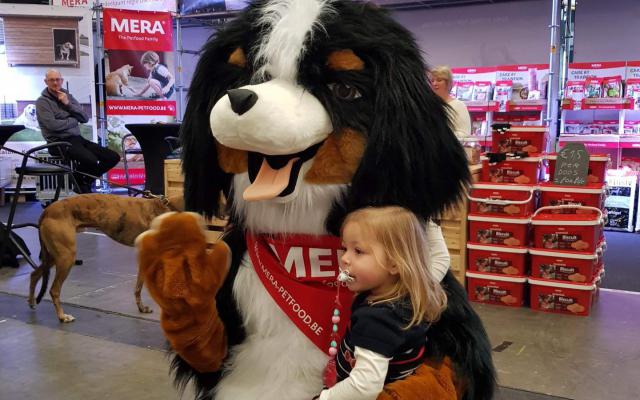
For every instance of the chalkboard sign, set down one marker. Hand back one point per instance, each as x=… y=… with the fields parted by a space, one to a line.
x=572 y=165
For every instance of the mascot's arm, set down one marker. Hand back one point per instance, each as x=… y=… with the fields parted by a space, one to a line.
x=430 y=382
x=183 y=277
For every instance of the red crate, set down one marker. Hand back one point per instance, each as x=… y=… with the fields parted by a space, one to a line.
x=591 y=195
x=510 y=232
x=532 y=139
x=564 y=265
x=497 y=259
x=521 y=171
x=496 y=289
x=502 y=199
x=581 y=232
x=598 y=164
x=562 y=297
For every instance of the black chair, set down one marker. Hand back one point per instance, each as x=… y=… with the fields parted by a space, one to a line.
x=155 y=150
x=39 y=170
x=125 y=162
x=6 y=131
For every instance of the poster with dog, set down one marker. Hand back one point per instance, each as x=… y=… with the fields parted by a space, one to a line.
x=65 y=45
x=46 y=38
x=139 y=81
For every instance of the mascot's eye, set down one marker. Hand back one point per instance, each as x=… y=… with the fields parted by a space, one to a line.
x=344 y=91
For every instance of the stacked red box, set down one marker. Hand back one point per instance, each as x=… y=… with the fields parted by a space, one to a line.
x=598 y=164
x=502 y=200
x=521 y=171
x=531 y=139
x=591 y=195
x=581 y=232
x=512 y=232
x=497 y=259
x=570 y=266
x=496 y=289
x=563 y=297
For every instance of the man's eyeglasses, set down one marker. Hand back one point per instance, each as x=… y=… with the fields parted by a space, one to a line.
x=55 y=79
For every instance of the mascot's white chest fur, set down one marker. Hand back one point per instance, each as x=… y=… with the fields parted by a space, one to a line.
x=276 y=361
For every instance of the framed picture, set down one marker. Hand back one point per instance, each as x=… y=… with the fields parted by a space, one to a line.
x=65 y=46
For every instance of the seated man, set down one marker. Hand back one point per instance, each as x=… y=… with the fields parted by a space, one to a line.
x=60 y=115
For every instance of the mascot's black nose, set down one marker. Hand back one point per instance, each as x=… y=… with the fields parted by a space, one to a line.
x=242 y=100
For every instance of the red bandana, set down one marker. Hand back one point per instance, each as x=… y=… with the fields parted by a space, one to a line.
x=299 y=272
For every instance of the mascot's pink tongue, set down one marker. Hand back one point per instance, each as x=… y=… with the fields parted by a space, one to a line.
x=270 y=182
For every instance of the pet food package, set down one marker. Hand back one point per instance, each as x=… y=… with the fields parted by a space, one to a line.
x=502 y=200
x=502 y=95
x=581 y=231
x=464 y=91
x=566 y=266
x=633 y=92
x=631 y=163
x=598 y=164
x=512 y=232
x=593 y=88
x=531 y=120
x=521 y=171
x=591 y=195
x=563 y=297
x=607 y=127
x=631 y=128
x=454 y=90
x=574 y=127
x=502 y=260
x=496 y=289
x=620 y=204
x=481 y=91
x=532 y=139
x=478 y=125
x=575 y=91
x=612 y=86
x=516 y=120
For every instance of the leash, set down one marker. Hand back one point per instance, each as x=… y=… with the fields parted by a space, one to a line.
x=145 y=193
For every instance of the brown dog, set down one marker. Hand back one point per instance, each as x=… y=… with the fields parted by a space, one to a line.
x=117 y=82
x=121 y=218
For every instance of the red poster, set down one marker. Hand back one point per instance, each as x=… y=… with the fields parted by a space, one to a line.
x=140 y=73
x=137 y=30
x=139 y=79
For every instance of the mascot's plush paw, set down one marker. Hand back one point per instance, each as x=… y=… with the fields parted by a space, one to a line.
x=428 y=383
x=183 y=277
x=179 y=270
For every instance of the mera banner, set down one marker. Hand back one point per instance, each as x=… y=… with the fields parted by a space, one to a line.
x=143 y=5
x=139 y=77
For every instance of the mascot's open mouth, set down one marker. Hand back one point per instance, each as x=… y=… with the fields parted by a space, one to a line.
x=275 y=176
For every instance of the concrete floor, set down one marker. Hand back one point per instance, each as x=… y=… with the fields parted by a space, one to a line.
x=112 y=351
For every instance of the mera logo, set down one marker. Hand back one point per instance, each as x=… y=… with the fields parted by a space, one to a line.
x=136 y=26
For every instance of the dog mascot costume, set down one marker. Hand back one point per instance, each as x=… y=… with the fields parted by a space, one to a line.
x=301 y=111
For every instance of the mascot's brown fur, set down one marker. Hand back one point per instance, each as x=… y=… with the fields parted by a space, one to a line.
x=301 y=111
x=120 y=218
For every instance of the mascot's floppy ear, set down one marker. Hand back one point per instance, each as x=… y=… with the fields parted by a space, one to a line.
x=412 y=158
x=222 y=66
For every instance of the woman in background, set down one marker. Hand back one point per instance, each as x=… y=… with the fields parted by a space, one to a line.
x=442 y=82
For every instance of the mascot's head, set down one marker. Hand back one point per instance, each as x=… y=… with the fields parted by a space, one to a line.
x=303 y=110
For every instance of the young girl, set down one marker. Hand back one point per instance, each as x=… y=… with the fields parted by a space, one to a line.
x=385 y=263
x=160 y=80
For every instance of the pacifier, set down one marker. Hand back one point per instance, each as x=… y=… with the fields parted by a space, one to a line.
x=345 y=277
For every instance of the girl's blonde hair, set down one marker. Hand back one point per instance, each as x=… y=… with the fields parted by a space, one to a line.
x=443 y=72
x=404 y=240
x=150 y=57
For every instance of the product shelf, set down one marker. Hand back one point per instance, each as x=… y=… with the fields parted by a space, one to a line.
x=599 y=104
x=602 y=141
